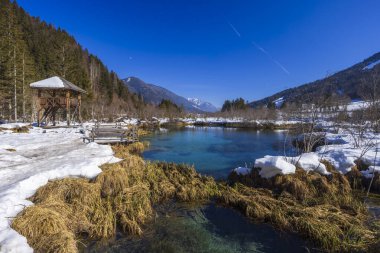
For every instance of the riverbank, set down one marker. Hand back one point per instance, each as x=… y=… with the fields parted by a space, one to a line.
x=122 y=196
x=211 y=122
x=324 y=211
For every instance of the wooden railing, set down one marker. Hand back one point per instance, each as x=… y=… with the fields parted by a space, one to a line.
x=56 y=101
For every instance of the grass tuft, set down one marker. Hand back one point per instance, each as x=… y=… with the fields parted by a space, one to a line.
x=323 y=209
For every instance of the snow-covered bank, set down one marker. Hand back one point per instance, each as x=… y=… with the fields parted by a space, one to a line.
x=223 y=121
x=343 y=156
x=29 y=160
x=281 y=165
x=339 y=151
x=13 y=125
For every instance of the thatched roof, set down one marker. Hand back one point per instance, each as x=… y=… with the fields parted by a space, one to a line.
x=56 y=83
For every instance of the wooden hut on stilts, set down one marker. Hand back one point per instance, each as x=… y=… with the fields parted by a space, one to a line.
x=54 y=95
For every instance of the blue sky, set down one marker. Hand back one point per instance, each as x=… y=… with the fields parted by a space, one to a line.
x=220 y=49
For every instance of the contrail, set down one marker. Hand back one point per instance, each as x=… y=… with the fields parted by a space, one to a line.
x=271 y=58
x=281 y=66
x=234 y=29
x=261 y=49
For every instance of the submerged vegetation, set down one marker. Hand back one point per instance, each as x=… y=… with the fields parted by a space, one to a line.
x=123 y=197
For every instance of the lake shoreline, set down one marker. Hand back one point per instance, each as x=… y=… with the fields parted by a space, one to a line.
x=177 y=181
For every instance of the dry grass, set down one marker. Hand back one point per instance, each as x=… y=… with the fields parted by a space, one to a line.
x=46 y=229
x=323 y=210
x=136 y=148
x=121 y=196
x=143 y=132
x=359 y=182
x=23 y=129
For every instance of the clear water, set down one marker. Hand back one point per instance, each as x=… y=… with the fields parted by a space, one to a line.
x=207 y=229
x=212 y=150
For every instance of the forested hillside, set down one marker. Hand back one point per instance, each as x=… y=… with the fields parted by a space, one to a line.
x=31 y=50
x=361 y=81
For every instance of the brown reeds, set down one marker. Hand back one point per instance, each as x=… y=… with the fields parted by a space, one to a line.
x=323 y=209
x=121 y=196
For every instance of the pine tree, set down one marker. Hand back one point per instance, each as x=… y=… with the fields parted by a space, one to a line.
x=31 y=49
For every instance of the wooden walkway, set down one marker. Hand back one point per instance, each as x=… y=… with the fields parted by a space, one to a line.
x=112 y=134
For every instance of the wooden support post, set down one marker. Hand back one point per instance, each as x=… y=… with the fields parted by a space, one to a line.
x=68 y=107
x=79 y=108
x=54 y=108
x=38 y=108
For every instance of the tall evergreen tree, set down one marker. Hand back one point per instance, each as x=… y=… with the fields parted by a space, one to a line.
x=31 y=49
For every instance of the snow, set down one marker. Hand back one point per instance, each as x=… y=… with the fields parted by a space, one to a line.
x=39 y=156
x=242 y=170
x=335 y=139
x=310 y=162
x=13 y=125
x=369 y=172
x=281 y=165
x=357 y=105
x=224 y=120
x=371 y=65
x=52 y=82
x=274 y=165
x=128 y=79
x=343 y=155
x=278 y=102
x=196 y=101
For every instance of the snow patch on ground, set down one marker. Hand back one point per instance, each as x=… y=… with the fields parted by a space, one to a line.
x=369 y=172
x=39 y=156
x=274 y=165
x=311 y=162
x=13 y=125
x=281 y=165
x=371 y=65
x=357 y=105
x=242 y=170
x=339 y=150
x=279 y=102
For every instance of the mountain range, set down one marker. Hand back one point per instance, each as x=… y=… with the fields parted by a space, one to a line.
x=154 y=94
x=348 y=82
x=203 y=105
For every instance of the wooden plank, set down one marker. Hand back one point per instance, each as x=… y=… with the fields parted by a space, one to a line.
x=112 y=134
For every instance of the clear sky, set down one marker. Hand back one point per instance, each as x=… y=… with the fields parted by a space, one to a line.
x=220 y=49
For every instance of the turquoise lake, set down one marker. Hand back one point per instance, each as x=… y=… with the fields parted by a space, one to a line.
x=214 y=151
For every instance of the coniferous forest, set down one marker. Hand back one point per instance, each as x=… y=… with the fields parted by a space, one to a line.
x=32 y=50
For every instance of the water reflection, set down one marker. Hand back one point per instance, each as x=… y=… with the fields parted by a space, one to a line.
x=214 y=150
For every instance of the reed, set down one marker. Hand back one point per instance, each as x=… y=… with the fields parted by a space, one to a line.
x=325 y=210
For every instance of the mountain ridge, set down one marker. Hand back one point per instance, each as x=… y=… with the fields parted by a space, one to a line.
x=346 y=82
x=203 y=105
x=154 y=94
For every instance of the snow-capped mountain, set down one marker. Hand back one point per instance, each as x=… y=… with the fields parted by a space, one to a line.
x=154 y=94
x=203 y=105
